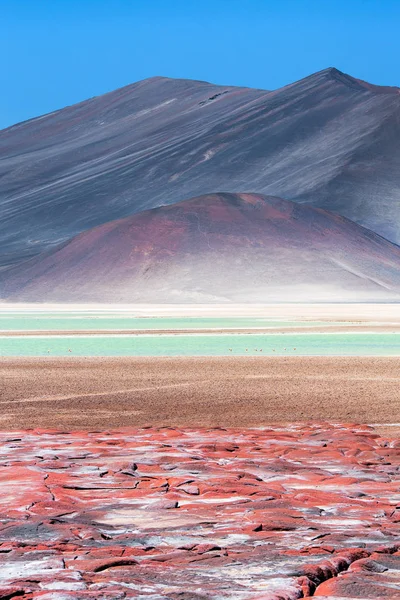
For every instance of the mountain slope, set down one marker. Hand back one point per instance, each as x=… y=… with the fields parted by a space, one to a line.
x=102 y=159
x=225 y=247
x=329 y=140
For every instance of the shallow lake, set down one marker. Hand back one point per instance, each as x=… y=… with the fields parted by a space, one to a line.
x=324 y=344
x=95 y=322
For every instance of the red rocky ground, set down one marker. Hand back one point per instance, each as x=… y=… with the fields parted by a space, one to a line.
x=184 y=514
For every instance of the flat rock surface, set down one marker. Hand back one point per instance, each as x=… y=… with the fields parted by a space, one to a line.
x=190 y=514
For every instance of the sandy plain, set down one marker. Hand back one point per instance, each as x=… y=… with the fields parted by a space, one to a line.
x=100 y=393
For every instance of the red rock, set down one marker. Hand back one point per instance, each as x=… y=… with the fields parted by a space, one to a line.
x=192 y=490
x=256 y=508
x=203 y=548
x=367 y=564
x=350 y=586
x=307 y=586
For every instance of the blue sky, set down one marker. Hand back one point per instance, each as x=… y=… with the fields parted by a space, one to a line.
x=57 y=52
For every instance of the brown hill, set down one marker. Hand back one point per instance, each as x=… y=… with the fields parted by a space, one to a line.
x=225 y=247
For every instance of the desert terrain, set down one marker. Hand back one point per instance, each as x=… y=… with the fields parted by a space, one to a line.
x=234 y=434
x=199 y=477
x=198 y=514
x=68 y=392
x=86 y=393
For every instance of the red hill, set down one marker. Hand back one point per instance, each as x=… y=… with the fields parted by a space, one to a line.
x=225 y=247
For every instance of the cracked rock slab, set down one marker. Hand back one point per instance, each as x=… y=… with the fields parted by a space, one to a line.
x=164 y=513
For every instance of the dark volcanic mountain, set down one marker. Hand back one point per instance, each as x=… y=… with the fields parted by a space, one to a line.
x=220 y=247
x=329 y=140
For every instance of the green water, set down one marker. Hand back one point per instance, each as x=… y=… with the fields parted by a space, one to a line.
x=326 y=344
x=93 y=322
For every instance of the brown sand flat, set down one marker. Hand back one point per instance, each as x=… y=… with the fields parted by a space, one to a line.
x=90 y=393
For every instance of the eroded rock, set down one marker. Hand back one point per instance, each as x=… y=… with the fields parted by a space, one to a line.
x=181 y=513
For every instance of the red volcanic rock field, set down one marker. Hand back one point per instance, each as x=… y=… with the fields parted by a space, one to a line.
x=160 y=513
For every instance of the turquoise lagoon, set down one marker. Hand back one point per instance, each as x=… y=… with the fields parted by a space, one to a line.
x=96 y=322
x=286 y=344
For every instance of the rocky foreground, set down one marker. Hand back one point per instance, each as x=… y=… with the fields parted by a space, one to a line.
x=272 y=514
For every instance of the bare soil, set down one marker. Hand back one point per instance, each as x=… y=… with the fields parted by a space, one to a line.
x=100 y=393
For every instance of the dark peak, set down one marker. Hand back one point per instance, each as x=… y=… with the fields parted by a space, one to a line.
x=331 y=73
x=336 y=75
